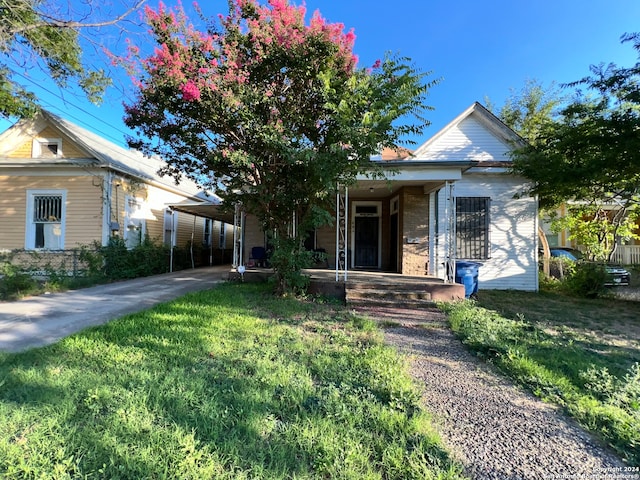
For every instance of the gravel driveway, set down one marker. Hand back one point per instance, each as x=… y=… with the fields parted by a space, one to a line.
x=496 y=430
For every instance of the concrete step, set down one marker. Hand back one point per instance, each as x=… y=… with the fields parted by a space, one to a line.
x=391 y=303
x=412 y=286
x=392 y=295
x=400 y=293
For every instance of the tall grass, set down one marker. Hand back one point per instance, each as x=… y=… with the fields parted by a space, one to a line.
x=566 y=352
x=223 y=384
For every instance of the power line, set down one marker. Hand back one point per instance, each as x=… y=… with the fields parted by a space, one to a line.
x=66 y=101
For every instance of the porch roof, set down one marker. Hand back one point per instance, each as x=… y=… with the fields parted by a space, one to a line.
x=206 y=209
x=429 y=174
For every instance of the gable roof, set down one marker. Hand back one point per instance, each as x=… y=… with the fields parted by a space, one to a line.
x=464 y=138
x=102 y=152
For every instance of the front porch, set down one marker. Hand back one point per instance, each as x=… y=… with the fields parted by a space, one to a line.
x=370 y=288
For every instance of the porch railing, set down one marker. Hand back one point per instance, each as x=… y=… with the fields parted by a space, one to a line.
x=627 y=255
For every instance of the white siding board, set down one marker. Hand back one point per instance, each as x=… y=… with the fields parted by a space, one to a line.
x=513 y=232
x=468 y=140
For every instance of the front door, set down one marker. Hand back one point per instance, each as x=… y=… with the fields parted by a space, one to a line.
x=366 y=236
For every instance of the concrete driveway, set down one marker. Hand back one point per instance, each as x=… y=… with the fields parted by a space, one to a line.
x=45 y=319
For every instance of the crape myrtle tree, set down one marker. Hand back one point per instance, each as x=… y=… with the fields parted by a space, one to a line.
x=589 y=158
x=270 y=111
x=46 y=34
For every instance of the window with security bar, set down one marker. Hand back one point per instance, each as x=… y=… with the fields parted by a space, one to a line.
x=472 y=228
x=47 y=221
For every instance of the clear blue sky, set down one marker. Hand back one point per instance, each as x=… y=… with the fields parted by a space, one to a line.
x=478 y=48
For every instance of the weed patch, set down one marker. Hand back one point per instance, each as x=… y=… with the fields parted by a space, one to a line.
x=566 y=351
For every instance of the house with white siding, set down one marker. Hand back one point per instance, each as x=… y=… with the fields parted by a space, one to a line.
x=453 y=199
x=62 y=187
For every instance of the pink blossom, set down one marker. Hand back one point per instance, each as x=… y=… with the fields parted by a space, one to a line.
x=377 y=64
x=190 y=91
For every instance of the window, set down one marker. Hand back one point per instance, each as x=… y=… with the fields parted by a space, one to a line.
x=47 y=148
x=472 y=227
x=206 y=237
x=366 y=210
x=222 y=242
x=310 y=240
x=45 y=220
x=167 y=239
x=134 y=221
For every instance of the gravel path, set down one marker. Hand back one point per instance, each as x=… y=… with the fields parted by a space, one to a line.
x=494 y=429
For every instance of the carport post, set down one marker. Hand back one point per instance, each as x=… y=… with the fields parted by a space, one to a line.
x=173 y=239
x=238 y=235
x=193 y=229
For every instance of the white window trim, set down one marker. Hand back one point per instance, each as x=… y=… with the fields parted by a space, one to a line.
x=394 y=205
x=30 y=230
x=36 y=146
x=169 y=227
x=133 y=224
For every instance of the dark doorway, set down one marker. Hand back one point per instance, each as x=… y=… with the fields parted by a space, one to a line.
x=366 y=242
x=393 y=243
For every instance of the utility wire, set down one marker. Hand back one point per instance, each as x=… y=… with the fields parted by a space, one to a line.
x=66 y=101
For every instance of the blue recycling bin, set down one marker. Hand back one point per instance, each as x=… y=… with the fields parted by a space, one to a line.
x=467 y=275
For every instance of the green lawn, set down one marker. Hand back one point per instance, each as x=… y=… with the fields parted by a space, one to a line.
x=226 y=384
x=581 y=354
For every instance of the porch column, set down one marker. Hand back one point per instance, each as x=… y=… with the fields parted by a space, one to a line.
x=238 y=226
x=450 y=216
x=342 y=226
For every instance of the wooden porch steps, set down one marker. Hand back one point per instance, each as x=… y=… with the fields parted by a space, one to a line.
x=396 y=295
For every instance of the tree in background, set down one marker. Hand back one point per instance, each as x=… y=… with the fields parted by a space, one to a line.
x=589 y=158
x=529 y=111
x=272 y=112
x=46 y=34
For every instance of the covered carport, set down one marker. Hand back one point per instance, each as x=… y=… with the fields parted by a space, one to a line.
x=212 y=209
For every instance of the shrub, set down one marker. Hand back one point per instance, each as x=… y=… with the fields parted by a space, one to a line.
x=288 y=258
x=145 y=259
x=15 y=283
x=117 y=264
x=582 y=279
x=587 y=280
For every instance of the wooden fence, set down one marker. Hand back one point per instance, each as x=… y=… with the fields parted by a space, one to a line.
x=627 y=255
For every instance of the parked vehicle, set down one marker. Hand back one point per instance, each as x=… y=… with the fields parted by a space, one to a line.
x=618 y=275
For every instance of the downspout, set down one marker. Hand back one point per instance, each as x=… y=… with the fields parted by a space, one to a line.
x=106 y=215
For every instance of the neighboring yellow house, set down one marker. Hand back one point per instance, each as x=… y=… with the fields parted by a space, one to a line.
x=62 y=186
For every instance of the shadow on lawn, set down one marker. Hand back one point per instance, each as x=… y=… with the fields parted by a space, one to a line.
x=155 y=393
